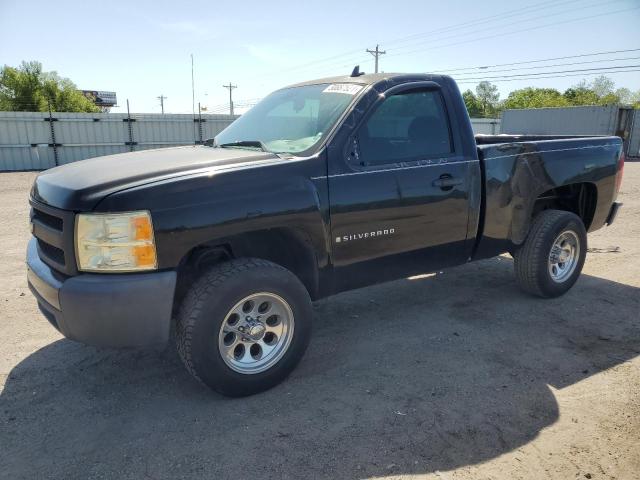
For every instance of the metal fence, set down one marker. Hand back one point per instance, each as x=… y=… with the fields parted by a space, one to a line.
x=37 y=141
x=634 y=137
x=588 y=120
x=485 y=126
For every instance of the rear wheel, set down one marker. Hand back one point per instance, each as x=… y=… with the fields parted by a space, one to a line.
x=551 y=258
x=244 y=326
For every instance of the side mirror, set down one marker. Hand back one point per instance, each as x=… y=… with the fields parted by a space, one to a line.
x=210 y=142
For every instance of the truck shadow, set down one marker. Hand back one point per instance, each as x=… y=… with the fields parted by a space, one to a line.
x=409 y=377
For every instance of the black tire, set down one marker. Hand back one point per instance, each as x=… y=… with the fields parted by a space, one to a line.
x=207 y=304
x=531 y=260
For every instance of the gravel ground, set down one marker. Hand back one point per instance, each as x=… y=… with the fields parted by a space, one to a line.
x=456 y=375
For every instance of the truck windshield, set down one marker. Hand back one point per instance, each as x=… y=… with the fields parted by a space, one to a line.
x=292 y=120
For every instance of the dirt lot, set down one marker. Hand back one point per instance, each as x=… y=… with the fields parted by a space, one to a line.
x=458 y=375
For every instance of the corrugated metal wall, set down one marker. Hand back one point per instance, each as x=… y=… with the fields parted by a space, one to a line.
x=590 y=120
x=485 y=126
x=26 y=141
x=634 y=137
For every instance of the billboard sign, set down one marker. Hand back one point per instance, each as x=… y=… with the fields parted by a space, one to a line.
x=101 y=98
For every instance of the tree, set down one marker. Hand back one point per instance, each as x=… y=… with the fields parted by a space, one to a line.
x=600 y=92
x=535 y=98
x=474 y=108
x=602 y=86
x=28 y=89
x=581 y=95
x=625 y=95
x=610 y=99
x=488 y=97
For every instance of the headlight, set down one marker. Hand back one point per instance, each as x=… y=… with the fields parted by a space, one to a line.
x=115 y=242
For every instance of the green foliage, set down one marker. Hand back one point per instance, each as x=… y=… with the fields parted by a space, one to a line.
x=598 y=92
x=581 y=95
x=610 y=99
x=535 y=98
x=625 y=95
x=472 y=103
x=488 y=97
x=29 y=89
x=602 y=86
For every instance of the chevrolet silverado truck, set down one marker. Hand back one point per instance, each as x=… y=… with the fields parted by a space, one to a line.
x=324 y=186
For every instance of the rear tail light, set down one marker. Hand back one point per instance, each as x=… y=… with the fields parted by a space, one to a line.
x=619 y=172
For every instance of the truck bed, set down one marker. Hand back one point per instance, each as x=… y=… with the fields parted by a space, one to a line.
x=518 y=170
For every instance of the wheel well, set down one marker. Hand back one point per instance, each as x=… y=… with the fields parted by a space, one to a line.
x=579 y=198
x=288 y=247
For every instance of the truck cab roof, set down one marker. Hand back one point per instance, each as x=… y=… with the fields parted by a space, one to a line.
x=375 y=78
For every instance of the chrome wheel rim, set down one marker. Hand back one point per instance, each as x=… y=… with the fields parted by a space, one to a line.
x=256 y=333
x=564 y=256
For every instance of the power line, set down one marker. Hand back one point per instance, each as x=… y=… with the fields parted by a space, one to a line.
x=517 y=31
x=481 y=20
x=498 y=80
x=352 y=53
x=538 y=60
x=551 y=65
x=376 y=53
x=533 y=75
x=432 y=47
x=236 y=103
x=511 y=23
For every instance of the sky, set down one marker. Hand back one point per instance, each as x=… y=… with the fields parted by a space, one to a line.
x=142 y=49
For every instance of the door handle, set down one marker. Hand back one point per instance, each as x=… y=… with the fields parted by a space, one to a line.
x=447 y=182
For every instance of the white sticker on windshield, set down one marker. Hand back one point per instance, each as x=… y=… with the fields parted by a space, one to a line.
x=348 y=88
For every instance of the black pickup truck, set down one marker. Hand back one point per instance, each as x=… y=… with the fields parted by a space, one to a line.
x=322 y=187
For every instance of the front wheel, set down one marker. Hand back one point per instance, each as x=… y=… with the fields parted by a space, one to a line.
x=551 y=258
x=244 y=326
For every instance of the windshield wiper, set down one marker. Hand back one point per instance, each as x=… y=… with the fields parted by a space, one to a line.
x=245 y=143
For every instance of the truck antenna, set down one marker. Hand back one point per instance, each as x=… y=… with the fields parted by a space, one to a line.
x=356 y=71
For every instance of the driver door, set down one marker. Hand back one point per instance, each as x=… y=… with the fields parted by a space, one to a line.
x=399 y=201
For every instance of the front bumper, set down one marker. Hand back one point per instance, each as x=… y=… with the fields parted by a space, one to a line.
x=109 y=310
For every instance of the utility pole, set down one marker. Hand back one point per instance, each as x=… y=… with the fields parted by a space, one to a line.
x=376 y=53
x=193 y=91
x=230 y=87
x=162 y=99
x=200 y=123
x=193 y=103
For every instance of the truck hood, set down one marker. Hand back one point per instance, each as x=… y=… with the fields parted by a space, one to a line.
x=81 y=185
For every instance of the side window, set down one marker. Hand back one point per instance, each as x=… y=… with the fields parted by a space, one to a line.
x=408 y=126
